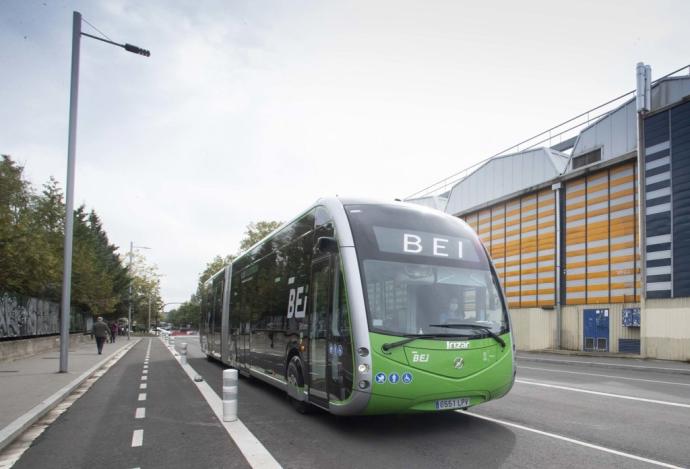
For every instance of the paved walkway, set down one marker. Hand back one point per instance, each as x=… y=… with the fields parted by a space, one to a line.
x=30 y=387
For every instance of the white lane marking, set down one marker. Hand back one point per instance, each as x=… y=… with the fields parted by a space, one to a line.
x=142 y=386
x=137 y=438
x=605 y=376
x=572 y=440
x=605 y=394
x=140 y=413
x=142 y=396
x=145 y=372
x=256 y=453
x=577 y=362
x=146 y=367
x=144 y=378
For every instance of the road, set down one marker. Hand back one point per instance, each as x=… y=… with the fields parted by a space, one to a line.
x=655 y=431
x=557 y=415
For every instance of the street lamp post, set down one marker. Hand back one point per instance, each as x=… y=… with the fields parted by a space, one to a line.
x=69 y=192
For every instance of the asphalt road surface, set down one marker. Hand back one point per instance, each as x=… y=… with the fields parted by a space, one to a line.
x=603 y=425
x=105 y=428
x=557 y=415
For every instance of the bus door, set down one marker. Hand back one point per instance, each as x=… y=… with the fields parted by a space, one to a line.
x=319 y=318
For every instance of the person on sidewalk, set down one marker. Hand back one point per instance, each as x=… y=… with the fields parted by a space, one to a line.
x=113 y=332
x=101 y=331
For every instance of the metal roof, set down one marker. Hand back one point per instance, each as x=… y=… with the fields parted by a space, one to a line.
x=504 y=175
x=616 y=132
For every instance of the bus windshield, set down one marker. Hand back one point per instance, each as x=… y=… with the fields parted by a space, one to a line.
x=406 y=299
x=424 y=273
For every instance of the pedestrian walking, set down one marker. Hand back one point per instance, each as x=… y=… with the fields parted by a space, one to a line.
x=101 y=331
x=113 y=332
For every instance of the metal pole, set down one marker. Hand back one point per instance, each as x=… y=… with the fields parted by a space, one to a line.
x=129 y=317
x=149 y=323
x=643 y=104
x=559 y=272
x=69 y=195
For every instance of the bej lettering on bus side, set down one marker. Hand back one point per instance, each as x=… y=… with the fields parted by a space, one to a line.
x=413 y=244
x=297 y=303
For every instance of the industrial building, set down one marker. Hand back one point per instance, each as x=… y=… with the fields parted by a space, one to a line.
x=580 y=268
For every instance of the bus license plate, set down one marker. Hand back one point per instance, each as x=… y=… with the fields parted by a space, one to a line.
x=445 y=404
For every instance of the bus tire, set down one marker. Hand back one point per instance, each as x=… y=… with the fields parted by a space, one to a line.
x=295 y=383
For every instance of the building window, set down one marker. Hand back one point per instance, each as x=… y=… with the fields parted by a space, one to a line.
x=587 y=158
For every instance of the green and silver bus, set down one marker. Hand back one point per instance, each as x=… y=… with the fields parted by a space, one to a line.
x=360 y=307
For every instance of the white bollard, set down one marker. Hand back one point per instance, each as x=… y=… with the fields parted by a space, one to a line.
x=229 y=395
x=183 y=353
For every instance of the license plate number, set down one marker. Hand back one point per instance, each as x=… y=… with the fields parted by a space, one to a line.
x=444 y=404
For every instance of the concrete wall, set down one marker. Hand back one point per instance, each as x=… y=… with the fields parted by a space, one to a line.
x=22 y=348
x=533 y=328
x=666 y=329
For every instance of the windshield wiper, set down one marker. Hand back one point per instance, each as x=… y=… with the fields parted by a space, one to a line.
x=485 y=329
x=387 y=347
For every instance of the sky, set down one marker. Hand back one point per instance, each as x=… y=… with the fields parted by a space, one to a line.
x=252 y=110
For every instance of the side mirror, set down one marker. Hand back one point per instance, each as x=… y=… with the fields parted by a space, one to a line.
x=326 y=244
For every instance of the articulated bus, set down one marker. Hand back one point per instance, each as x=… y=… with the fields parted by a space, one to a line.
x=359 y=307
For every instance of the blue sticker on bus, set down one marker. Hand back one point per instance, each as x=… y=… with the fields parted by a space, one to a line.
x=394 y=378
x=380 y=378
x=407 y=377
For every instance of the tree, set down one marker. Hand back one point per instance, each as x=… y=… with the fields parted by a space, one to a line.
x=31 y=247
x=256 y=232
x=186 y=315
x=17 y=260
x=145 y=290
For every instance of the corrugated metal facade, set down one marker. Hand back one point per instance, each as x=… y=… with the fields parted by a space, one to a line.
x=520 y=235
x=601 y=262
x=667 y=198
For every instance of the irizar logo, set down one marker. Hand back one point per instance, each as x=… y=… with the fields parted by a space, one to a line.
x=420 y=357
x=451 y=345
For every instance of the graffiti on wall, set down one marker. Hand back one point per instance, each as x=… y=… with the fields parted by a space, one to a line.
x=28 y=317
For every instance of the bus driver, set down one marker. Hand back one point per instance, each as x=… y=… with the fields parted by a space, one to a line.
x=452 y=313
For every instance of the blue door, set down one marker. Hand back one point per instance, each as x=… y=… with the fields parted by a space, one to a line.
x=596 y=330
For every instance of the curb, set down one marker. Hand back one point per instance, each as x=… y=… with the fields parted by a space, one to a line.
x=22 y=423
x=619 y=366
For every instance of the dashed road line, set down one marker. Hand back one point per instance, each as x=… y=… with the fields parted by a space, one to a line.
x=142 y=386
x=140 y=413
x=137 y=438
x=605 y=394
x=144 y=378
x=142 y=396
x=145 y=372
x=572 y=440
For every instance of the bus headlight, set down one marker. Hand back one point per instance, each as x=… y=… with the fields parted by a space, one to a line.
x=363 y=368
x=363 y=351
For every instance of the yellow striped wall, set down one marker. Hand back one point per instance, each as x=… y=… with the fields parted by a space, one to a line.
x=601 y=262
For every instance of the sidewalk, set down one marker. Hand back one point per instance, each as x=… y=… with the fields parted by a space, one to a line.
x=30 y=387
x=627 y=362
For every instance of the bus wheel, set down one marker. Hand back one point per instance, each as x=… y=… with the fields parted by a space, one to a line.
x=295 y=385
